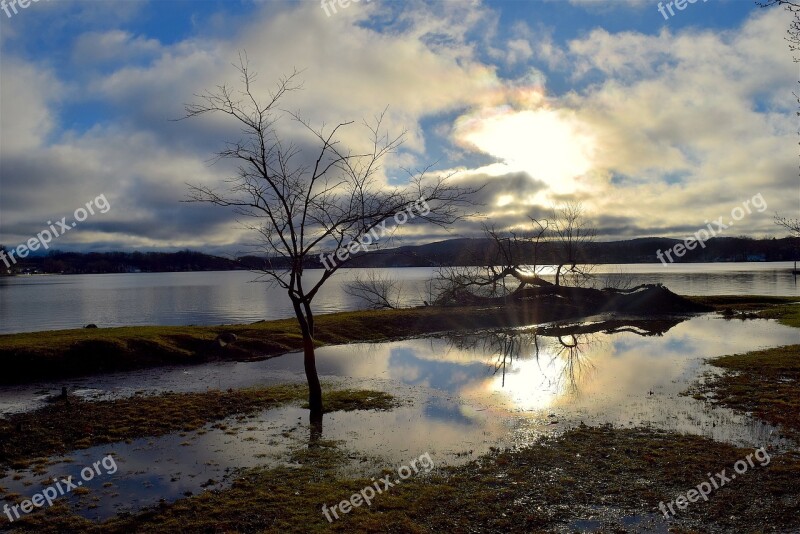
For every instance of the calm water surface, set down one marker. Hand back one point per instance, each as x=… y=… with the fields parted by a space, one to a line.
x=34 y=303
x=464 y=394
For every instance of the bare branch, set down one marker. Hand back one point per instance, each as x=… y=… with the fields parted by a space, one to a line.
x=376 y=290
x=300 y=203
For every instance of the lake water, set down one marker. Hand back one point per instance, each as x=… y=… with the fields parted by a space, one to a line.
x=34 y=303
x=462 y=395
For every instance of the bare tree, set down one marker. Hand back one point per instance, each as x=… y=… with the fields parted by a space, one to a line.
x=511 y=264
x=376 y=290
x=299 y=202
x=793 y=225
x=572 y=233
x=514 y=258
x=618 y=279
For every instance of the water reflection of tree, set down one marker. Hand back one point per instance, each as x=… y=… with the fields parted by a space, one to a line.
x=569 y=350
x=567 y=345
x=507 y=346
x=577 y=364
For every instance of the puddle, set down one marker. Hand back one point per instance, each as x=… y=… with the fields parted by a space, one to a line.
x=466 y=393
x=601 y=518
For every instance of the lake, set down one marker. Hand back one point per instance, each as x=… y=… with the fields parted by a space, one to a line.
x=54 y=302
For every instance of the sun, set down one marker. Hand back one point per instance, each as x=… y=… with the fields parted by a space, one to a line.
x=550 y=145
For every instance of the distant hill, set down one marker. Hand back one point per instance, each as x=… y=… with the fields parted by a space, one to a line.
x=123 y=262
x=450 y=252
x=641 y=250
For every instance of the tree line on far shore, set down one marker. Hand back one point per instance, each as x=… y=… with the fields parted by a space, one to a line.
x=445 y=253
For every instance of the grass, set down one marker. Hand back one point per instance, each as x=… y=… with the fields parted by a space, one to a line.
x=784 y=309
x=741 y=302
x=64 y=426
x=543 y=487
x=540 y=488
x=347 y=400
x=46 y=355
x=786 y=314
x=35 y=356
x=765 y=382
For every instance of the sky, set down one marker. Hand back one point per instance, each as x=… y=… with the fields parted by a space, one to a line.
x=656 y=123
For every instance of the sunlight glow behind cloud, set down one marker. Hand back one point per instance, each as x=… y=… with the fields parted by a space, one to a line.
x=550 y=145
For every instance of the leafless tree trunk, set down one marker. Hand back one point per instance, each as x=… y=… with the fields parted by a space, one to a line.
x=299 y=203
x=513 y=258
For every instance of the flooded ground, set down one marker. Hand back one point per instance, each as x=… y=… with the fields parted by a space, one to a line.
x=463 y=395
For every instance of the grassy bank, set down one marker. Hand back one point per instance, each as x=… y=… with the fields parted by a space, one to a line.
x=66 y=353
x=766 y=382
x=72 y=424
x=741 y=302
x=602 y=473
x=59 y=354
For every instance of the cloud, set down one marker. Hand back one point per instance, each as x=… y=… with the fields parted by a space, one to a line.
x=605 y=5
x=29 y=96
x=141 y=160
x=690 y=125
x=660 y=130
x=94 y=48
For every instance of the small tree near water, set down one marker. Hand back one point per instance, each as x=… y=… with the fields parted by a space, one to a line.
x=299 y=200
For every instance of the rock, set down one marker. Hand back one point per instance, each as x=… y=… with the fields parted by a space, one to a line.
x=226 y=339
x=90 y=325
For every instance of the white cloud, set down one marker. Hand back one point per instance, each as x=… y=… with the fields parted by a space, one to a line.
x=674 y=128
x=683 y=120
x=29 y=93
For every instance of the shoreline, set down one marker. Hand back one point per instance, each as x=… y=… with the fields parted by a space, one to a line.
x=602 y=474
x=59 y=354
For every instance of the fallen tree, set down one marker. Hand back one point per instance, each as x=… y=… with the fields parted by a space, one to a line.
x=646 y=299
